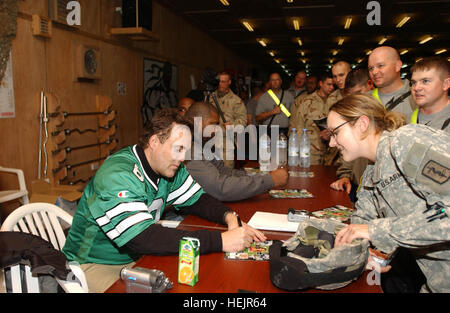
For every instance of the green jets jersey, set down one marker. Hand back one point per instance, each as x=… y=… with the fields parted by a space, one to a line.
x=123 y=198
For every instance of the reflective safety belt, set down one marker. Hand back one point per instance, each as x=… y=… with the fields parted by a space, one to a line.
x=375 y=95
x=414 y=116
x=277 y=101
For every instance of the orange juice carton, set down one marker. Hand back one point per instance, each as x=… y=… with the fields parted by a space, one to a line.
x=188 y=261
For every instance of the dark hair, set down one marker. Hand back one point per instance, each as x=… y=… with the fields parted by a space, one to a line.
x=161 y=125
x=200 y=109
x=225 y=73
x=357 y=76
x=324 y=76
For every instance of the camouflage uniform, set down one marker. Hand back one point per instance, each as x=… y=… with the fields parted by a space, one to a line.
x=331 y=155
x=411 y=173
x=334 y=97
x=235 y=113
x=311 y=108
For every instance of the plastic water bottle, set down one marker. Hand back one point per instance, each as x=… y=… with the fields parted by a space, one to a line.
x=293 y=154
x=305 y=149
x=264 y=153
x=282 y=150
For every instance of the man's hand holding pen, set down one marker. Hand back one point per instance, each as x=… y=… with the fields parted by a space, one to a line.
x=239 y=235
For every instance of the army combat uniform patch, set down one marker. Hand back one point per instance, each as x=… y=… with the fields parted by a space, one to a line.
x=436 y=172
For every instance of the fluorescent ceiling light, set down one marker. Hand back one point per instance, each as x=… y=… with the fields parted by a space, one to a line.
x=369 y=52
x=382 y=41
x=359 y=61
x=272 y=53
x=404 y=52
x=335 y=52
x=296 y=23
x=348 y=22
x=277 y=60
x=425 y=40
x=225 y=2
x=441 y=51
x=403 y=21
x=299 y=42
x=302 y=53
x=247 y=25
x=341 y=41
x=262 y=42
x=289 y=1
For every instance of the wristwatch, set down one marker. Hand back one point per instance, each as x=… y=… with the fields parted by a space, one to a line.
x=228 y=212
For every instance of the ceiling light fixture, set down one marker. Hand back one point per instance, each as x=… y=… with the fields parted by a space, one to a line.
x=348 y=22
x=441 y=51
x=359 y=61
x=224 y=2
x=302 y=53
x=277 y=60
x=247 y=25
x=335 y=52
x=404 y=52
x=425 y=40
x=369 y=52
x=289 y=1
x=262 y=42
x=341 y=41
x=403 y=21
x=418 y=59
x=296 y=23
x=382 y=41
x=272 y=53
x=299 y=42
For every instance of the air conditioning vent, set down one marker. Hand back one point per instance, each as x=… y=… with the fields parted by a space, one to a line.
x=41 y=26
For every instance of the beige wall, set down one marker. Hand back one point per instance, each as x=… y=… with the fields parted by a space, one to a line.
x=48 y=65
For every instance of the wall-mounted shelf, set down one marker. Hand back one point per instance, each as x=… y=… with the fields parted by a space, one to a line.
x=135 y=33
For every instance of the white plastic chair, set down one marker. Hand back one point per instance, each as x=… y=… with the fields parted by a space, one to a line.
x=21 y=194
x=42 y=219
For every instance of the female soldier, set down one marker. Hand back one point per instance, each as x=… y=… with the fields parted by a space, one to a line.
x=404 y=197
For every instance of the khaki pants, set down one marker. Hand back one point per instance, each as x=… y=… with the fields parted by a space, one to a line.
x=101 y=276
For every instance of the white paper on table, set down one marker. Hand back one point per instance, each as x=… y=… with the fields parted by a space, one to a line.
x=272 y=221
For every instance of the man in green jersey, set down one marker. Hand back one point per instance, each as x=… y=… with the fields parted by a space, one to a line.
x=116 y=219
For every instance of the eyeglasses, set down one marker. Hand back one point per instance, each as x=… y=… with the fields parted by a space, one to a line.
x=333 y=131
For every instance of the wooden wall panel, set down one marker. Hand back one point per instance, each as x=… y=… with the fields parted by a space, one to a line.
x=48 y=65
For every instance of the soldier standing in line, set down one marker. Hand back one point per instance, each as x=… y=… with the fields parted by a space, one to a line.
x=384 y=67
x=404 y=198
x=298 y=86
x=339 y=70
x=313 y=107
x=268 y=112
x=234 y=112
x=430 y=82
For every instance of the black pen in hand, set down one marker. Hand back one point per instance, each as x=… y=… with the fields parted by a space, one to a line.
x=238 y=219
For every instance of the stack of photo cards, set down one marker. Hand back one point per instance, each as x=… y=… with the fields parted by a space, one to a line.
x=290 y=193
x=337 y=212
x=258 y=251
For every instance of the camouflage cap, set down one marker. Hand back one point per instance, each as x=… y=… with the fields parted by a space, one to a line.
x=309 y=258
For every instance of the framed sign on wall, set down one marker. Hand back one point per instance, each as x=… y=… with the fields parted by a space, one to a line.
x=160 y=87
